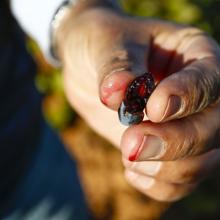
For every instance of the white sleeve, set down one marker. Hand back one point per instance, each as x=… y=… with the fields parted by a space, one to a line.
x=35 y=17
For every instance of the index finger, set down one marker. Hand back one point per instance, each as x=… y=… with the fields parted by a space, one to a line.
x=192 y=88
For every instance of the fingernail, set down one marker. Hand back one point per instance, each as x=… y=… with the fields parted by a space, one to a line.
x=114 y=85
x=111 y=93
x=152 y=147
x=173 y=106
x=107 y=88
x=114 y=99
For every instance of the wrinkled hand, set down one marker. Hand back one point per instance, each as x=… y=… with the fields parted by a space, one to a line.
x=102 y=52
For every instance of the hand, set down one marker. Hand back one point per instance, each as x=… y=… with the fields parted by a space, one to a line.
x=102 y=52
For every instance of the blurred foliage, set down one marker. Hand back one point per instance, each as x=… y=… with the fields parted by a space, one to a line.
x=201 y=13
x=49 y=82
x=176 y=10
x=202 y=204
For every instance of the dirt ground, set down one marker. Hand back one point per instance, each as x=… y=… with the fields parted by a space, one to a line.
x=101 y=171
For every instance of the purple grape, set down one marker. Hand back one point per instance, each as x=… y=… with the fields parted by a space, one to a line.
x=136 y=97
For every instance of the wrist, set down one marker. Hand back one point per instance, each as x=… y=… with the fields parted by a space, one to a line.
x=70 y=15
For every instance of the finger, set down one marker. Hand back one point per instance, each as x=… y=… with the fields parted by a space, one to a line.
x=172 y=140
x=118 y=59
x=187 y=171
x=127 y=63
x=158 y=190
x=193 y=85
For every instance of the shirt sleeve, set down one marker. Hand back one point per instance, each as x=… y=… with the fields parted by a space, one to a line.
x=35 y=17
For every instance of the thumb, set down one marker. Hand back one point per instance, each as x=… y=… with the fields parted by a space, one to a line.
x=128 y=62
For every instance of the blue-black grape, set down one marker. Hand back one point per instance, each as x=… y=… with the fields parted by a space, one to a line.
x=136 y=97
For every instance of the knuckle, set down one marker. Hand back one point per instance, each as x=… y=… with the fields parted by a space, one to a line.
x=207 y=90
x=120 y=60
x=192 y=31
x=195 y=98
x=130 y=57
x=188 y=34
x=117 y=60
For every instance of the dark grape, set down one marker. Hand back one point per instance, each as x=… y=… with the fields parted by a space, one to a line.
x=136 y=97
